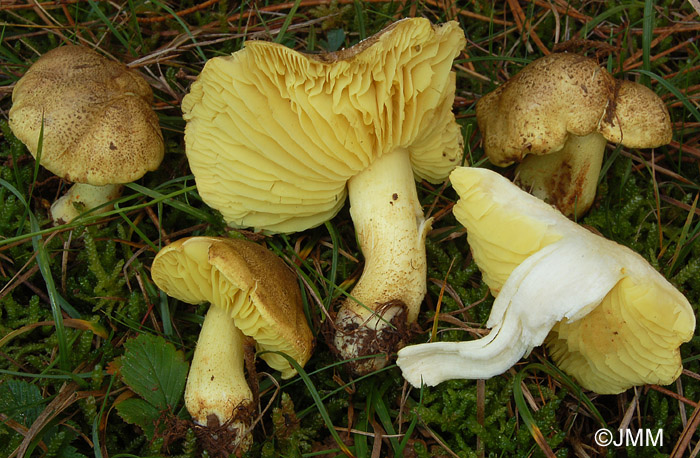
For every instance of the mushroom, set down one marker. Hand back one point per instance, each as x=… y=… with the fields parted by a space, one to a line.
x=252 y=293
x=99 y=130
x=615 y=322
x=276 y=138
x=555 y=118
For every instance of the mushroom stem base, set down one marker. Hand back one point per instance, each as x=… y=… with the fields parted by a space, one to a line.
x=217 y=394
x=391 y=230
x=83 y=197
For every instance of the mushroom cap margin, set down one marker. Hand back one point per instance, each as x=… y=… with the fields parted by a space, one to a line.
x=99 y=127
x=228 y=272
x=560 y=94
x=632 y=337
x=273 y=134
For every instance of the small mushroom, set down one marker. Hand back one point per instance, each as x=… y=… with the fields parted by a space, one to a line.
x=555 y=118
x=252 y=293
x=277 y=138
x=615 y=322
x=99 y=130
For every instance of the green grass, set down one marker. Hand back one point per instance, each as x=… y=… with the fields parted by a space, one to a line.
x=61 y=386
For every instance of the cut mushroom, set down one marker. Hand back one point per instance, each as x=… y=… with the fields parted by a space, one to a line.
x=99 y=130
x=252 y=293
x=615 y=321
x=276 y=138
x=555 y=118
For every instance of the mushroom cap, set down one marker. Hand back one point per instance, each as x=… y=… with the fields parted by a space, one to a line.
x=500 y=235
x=99 y=127
x=630 y=337
x=273 y=134
x=254 y=285
x=560 y=94
x=639 y=119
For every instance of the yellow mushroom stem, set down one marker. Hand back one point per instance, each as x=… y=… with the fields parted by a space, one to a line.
x=217 y=392
x=82 y=197
x=391 y=230
x=567 y=178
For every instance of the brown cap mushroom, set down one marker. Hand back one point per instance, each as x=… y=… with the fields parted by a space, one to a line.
x=252 y=293
x=556 y=116
x=274 y=138
x=99 y=128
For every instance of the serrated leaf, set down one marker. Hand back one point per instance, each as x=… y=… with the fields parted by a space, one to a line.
x=139 y=412
x=20 y=401
x=154 y=370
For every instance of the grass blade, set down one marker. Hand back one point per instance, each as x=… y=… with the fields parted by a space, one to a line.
x=332 y=276
x=42 y=259
x=317 y=400
x=287 y=21
x=138 y=231
x=609 y=12
x=527 y=417
x=385 y=417
x=360 y=17
x=673 y=90
x=647 y=34
x=194 y=212
x=684 y=235
x=96 y=9
x=183 y=25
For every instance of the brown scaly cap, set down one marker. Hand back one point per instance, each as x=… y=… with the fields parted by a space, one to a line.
x=99 y=127
x=560 y=94
x=249 y=281
x=640 y=118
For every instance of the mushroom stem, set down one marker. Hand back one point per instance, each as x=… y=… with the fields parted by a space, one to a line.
x=567 y=178
x=391 y=230
x=82 y=197
x=217 y=393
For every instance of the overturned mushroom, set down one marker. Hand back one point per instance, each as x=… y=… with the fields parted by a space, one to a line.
x=617 y=322
x=252 y=293
x=555 y=118
x=276 y=138
x=99 y=130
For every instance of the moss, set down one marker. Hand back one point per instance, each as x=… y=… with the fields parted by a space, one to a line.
x=451 y=408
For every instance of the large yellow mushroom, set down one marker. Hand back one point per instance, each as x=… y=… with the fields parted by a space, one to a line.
x=277 y=138
x=555 y=118
x=252 y=293
x=613 y=321
x=99 y=130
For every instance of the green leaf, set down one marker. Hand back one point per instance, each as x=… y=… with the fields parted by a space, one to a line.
x=69 y=452
x=155 y=370
x=336 y=38
x=139 y=412
x=20 y=401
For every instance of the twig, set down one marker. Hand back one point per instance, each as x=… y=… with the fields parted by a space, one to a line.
x=679 y=204
x=662 y=36
x=466 y=13
x=438 y=440
x=184 y=12
x=686 y=435
x=522 y=23
x=676 y=396
x=566 y=10
x=655 y=167
x=629 y=412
